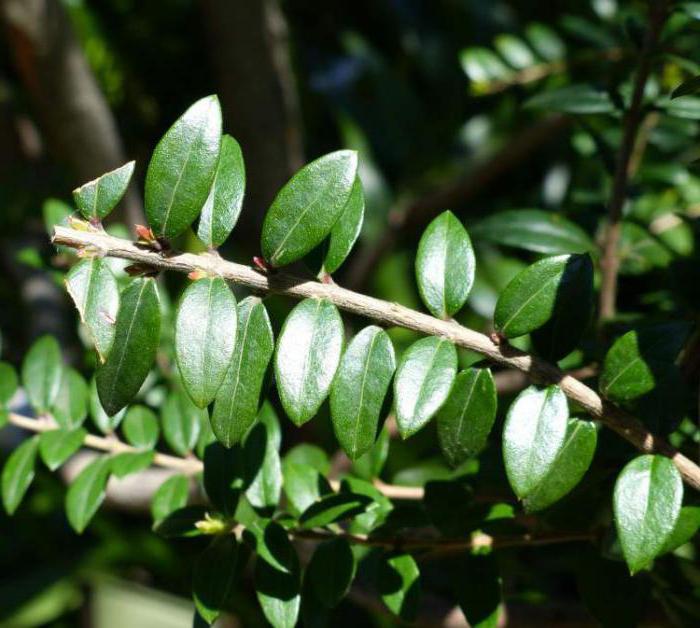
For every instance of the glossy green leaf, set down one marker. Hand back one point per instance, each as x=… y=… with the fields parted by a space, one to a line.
x=647 y=504
x=133 y=351
x=303 y=470
x=277 y=577
x=399 y=585
x=87 y=492
x=533 y=435
x=359 y=389
x=332 y=508
x=41 y=373
x=170 y=496
x=69 y=409
x=223 y=477
x=18 y=473
x=687 y=526
x=181 y=421
x=214 y=577
x=641 y=359
x=129 y=462
x=181 y=522
x=100 y=196
x=535 y=294
x=223 y=206
x=445 y=266
x=307 y=207
x=577 y=99
x=238 y=397
x=102 y=421
x=8 y=383
x=569 y=466
x=307 y=356
x=533 y=230
x=465 y=420
x=423 y=381
x=263 y=467
x=95 y=292
x=205 y=336
x=141 y=427
x=182 y=169
x=330 y=571
x=56 y=446
x=345 y=232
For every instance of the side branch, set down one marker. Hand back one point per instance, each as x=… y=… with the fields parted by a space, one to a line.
x=391 y=314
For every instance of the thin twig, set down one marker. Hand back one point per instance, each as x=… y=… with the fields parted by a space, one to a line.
x=392 y=314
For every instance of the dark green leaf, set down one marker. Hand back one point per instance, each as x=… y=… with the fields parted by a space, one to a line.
x=533 y=230
x=170 y=496
x=370 y=465
x=182 y=168
x=87 y=492
x=205 y=336
x=97 y=198
x=399 y=585
x=346 y=231
x=686 y=528
x=95 y=292
x=304 y=481
x=686 y=88
x=141 y=427
x=8 y=383
x=104 y=423
x=69 y=409
x=239 y=396
x=445 y=266
x=263 y=468
x=182 y=422
x=214 y=577
x=359 y=388
x=129 y=462
x=423 y=381
x=56 y=446
x=181 y=522
x=647 y=504
x=581 y=99
x=546 y=43
x=569 y=466
x=223 y=205
x=465 y=420
x=307 y=356
x=331 y=571
x=333 y=507
x=41 y=373
x=134 y=348
x=533 y=435
x=18 y=473
x=307 y=207
x=223 y=477
x=476 y=583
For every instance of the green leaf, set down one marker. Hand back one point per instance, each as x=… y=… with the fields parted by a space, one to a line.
x=685 y=107
x=330 y=571
x=546 y=43
x=87 y=492
x=141 y=427
x=136 y=337
x=223 y=205
x=346 y=230
x=214 y=577
x=307 y=207
x=238 y=397
x=69 y=409
x=181 y=522
x=18 y=473
x=370 y=465
x=639 y=251
x=129 y=462
x=182 y=422
x=445 y=266
x=307 y=356
x=100 y=196
x=686 y=528
x=303 y=472
x=41 y=373
x=277 y=577
x=533 y=230
x=263 y=468
x=399 y=585
x=647 y=504
x=569 y=466
x=182 y=168
x=476 y=583
x=223 y=477
x=8 y=383
x=686 y=88
x=205 y=336
x=465 y=420
x=423 y=381
x=95 y=292
x=104 y=423
x=359 y=389
x=56 y=446
x=481 y=65
x=333 y=507
x=536 y=293
x=514 y=51
x=578 y=99
x=640 y=359
x=533 y=435
x=170 y=496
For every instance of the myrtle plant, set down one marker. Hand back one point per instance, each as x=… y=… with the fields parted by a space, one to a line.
x=205 y=388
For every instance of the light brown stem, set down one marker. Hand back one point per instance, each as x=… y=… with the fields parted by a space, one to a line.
x=393 y=314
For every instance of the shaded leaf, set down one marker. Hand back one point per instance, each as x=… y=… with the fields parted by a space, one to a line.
x=141 y=427
x=42 y=368
x=129 y=462
x=263 y=468
x=370 y=465
x=100 y=196
x=346 y=230
x=687 y=526
x=223 y=477
x=170 y=496
x=102 y=421
x=182 y=422
x=686 y=88
x=330 y=571
x=181 y=522
x=69 y=409
x=87 y=492
x=580 y=99
x=8 y=383
x=476 y=583
x=18 y=473
x=399 y=585
x=215 y=576
x=56 y=446
x=333 y=507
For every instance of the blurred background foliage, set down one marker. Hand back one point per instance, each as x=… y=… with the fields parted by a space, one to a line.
x=478 y=107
